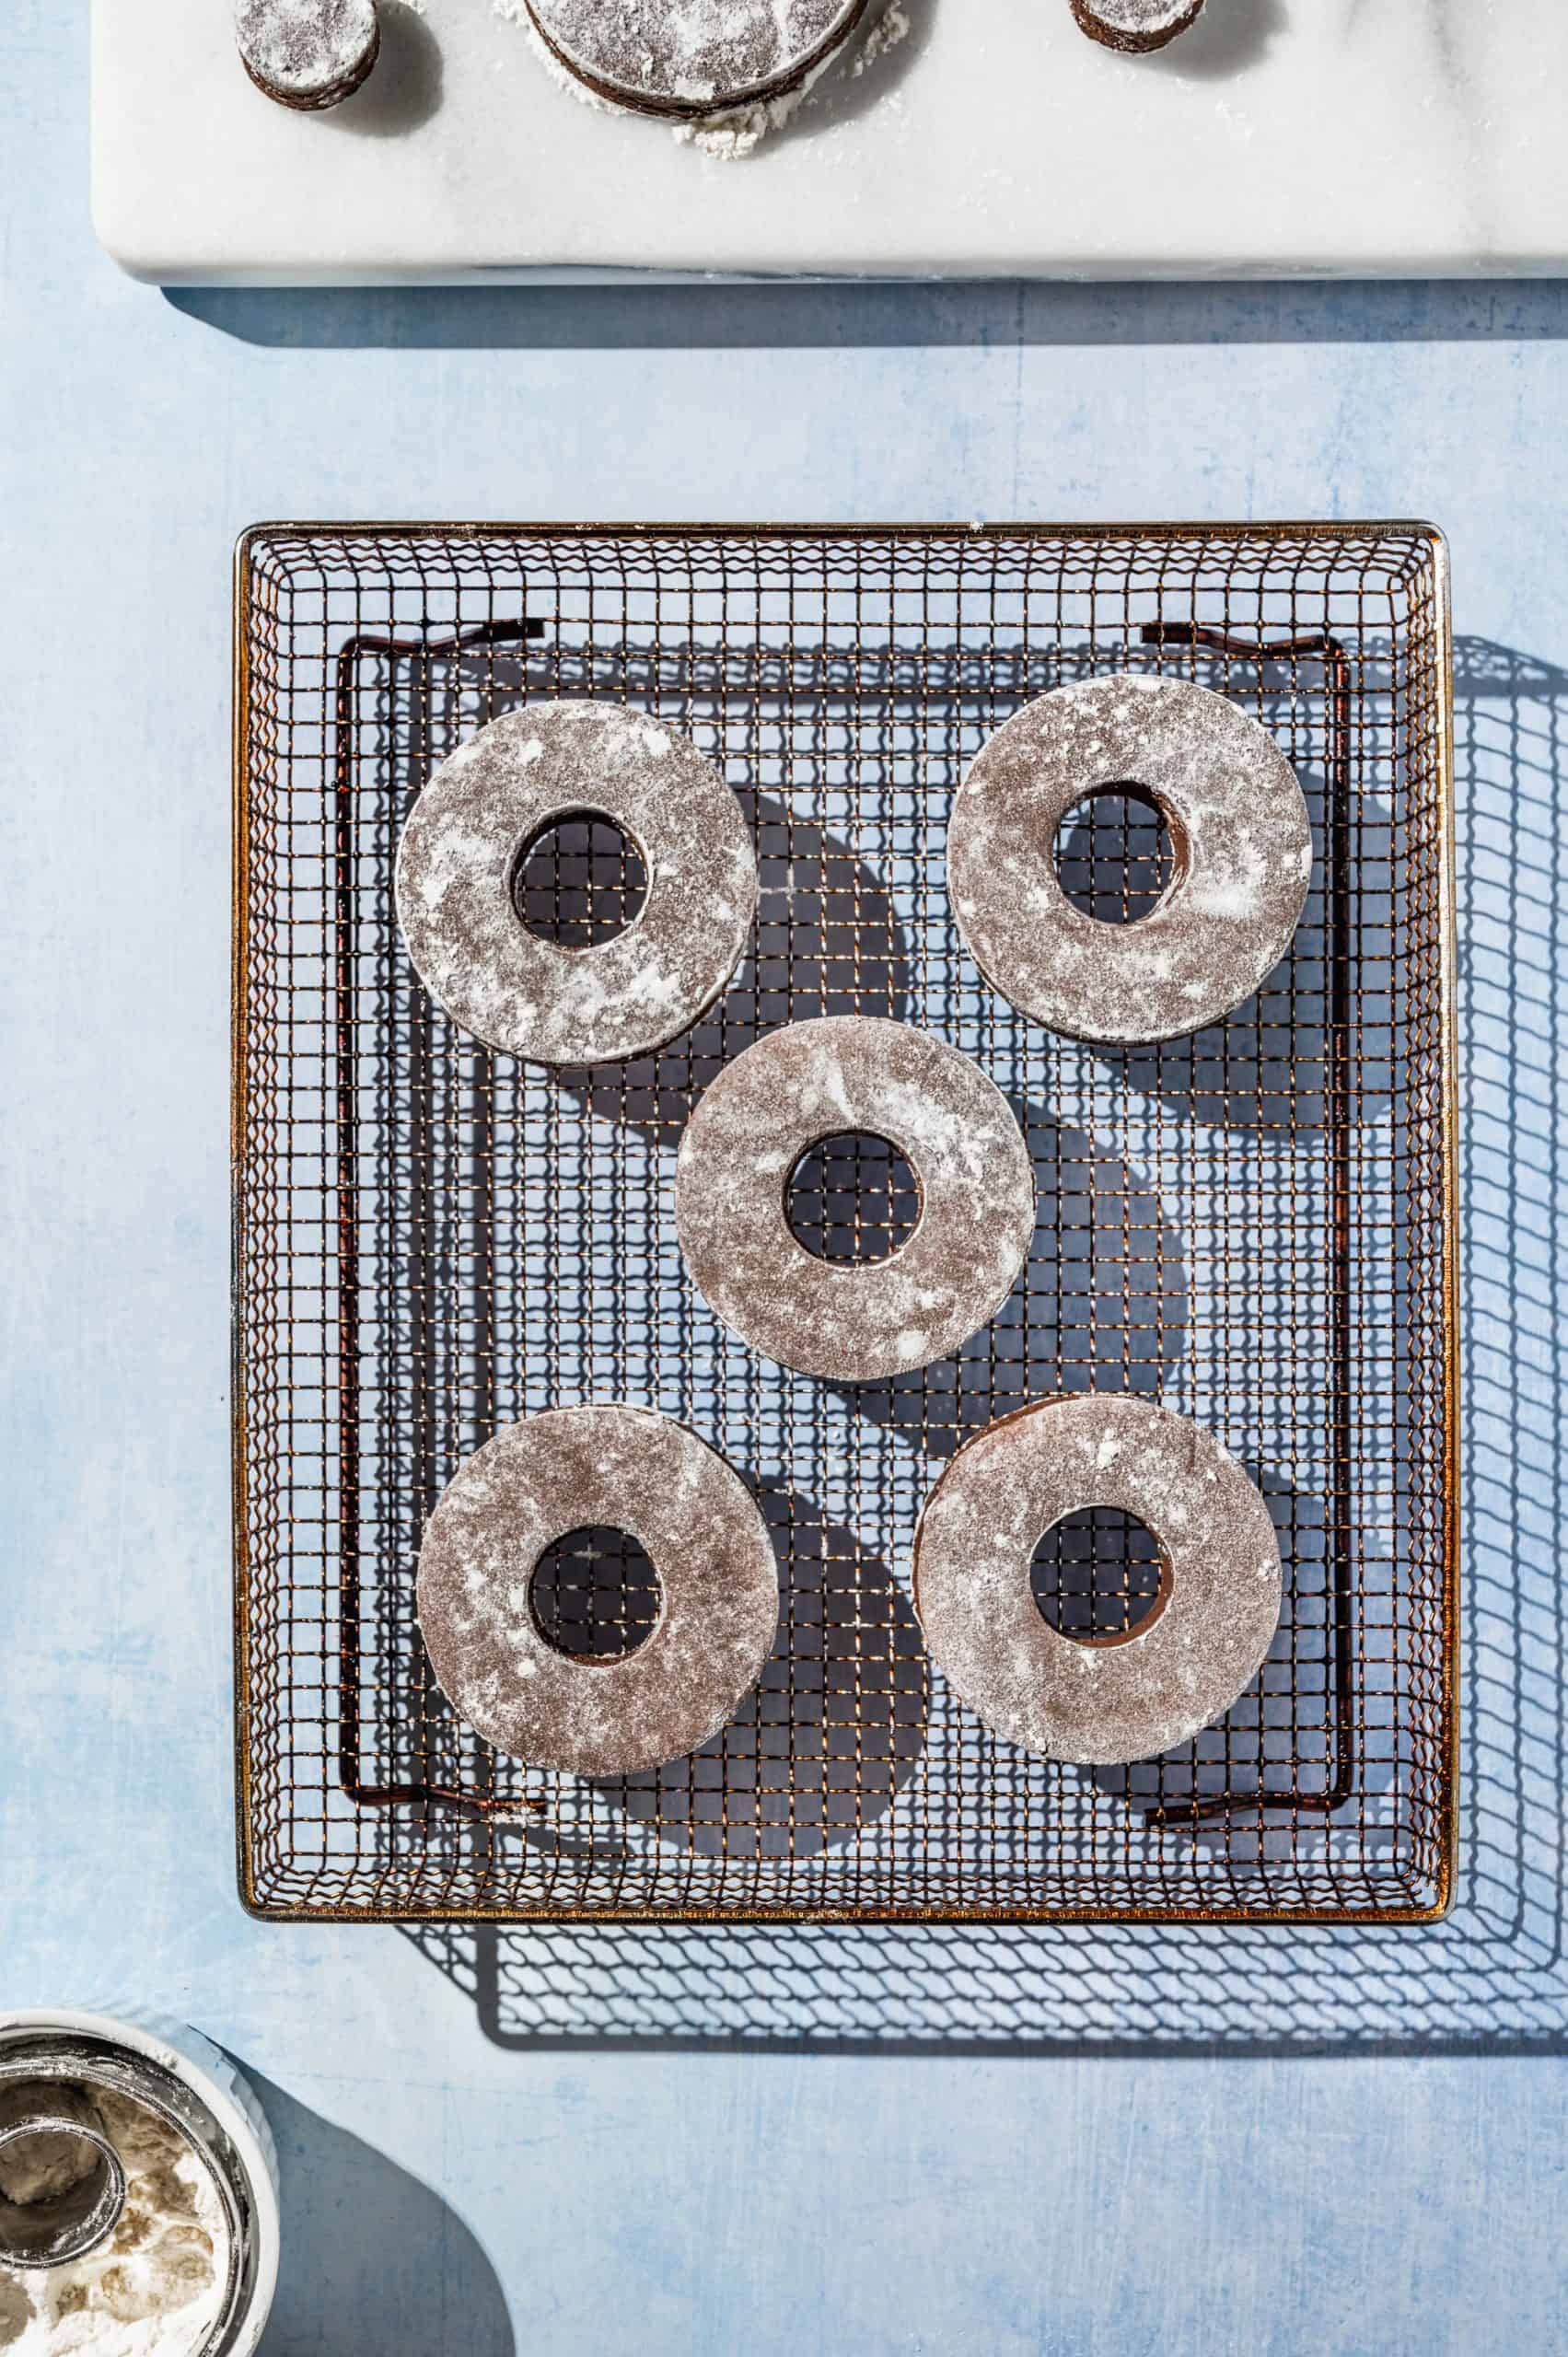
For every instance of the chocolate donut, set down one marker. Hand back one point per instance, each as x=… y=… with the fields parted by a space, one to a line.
x=1136 y=26
x=1239 y=830
x=1106 y=1702
x=854 y=1322
x=308 y=54
x=472 y=827
x=692 y=58
x=574 y=1468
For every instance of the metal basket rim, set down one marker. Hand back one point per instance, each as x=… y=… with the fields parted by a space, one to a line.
x=1426 y=534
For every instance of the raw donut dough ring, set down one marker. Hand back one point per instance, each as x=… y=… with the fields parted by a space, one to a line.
x=568 y=1469
x=1135 y=27
x=1238 y=826
x=1120 y=1699
x=854 y=1322
x=474 y=822
x=309 y=54
x=692 y=58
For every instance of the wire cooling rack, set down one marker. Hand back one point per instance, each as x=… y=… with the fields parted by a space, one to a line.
x=1255 y=1225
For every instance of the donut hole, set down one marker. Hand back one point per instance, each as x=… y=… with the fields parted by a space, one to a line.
x=595 y=1594
x=1099 y=1577
x=1116 y=854
x=579 y=881
x=853 y=1198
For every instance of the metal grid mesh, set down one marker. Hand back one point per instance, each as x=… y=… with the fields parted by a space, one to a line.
x=431 y=1240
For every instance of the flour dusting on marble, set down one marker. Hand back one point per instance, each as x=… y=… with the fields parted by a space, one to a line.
x=732 y=137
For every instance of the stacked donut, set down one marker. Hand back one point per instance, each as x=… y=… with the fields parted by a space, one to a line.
x=1242 y=845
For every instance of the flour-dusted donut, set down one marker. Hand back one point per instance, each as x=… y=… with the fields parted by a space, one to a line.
x=576 y=1468
x=308 y=54
x=690 y=58
x=854 y=1322
x=471 y=829
x=1136 y=26
x=1106 y=1702
x=1239 y=831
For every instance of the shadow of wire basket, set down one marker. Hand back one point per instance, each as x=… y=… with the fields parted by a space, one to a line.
x=1255 y=1225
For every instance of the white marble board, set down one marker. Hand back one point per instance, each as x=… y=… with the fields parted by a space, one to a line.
x=1359 y=137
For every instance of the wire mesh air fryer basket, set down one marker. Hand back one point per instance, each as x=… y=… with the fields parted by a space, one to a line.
x=1254 y=1224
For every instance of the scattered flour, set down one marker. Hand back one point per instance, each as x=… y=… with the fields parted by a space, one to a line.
x=740 y=131
x=514 y=12
x=885 y=33
x=155 y=2288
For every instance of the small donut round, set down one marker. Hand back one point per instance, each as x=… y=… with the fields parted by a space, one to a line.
x=856 y=1322
x=1104 y=1702
x=574 y=1468
x=475 y=822
x=690 y=58
x=1136 y=26
x=308 y=54
x=1239 y=830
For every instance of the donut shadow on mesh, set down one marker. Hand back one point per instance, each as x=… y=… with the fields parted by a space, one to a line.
x=1266 y=1067
x=827 y=942
x=1101 y=1304
x=1315 y=1722
x=814 y=1755
x=835 y=1727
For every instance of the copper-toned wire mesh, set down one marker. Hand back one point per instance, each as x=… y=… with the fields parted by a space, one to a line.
x=1253 y=1225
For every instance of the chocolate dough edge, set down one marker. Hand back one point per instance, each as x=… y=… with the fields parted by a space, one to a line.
x=1129 y=43
x=333 y=95
x=712 y=110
